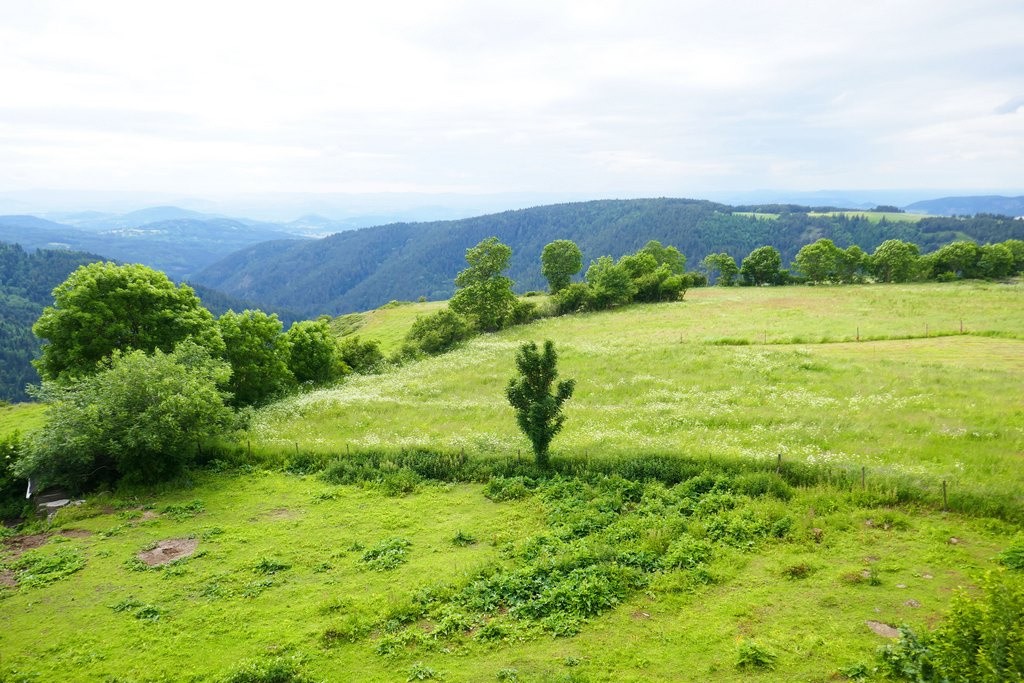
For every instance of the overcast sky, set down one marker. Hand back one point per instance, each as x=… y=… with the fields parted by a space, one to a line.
x=592 y=98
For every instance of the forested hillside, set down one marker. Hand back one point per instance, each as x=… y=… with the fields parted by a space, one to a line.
x=362 y=269
x=26 y=280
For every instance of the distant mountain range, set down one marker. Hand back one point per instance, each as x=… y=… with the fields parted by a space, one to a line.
x=970 y=206
x=362 y=269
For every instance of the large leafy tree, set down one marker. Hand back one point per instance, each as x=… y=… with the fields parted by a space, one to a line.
x=484 y=295
x=894 y=261
x=258 y=352
x=559 y=261
x=538 y=410
x=105 y=307
x=139 y=416
x=819 y=261
x=762 y=266
x=315 y=356
x=669 y=256
x=724 y=266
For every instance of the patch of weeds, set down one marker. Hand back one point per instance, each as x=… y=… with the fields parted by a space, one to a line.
x=268 y=565
x=463 y=539
x=37 y=568
x=801 y=570
x=276 y=670
x=386 y=555
x=115 y=530
x=400 y=482
x=334 y=605
x=183 y=511
x=687 y=552
x=127 y=605
x=142 y=611
x=757 y=484
x=356 y=547
x=325 y=496
x=754 y=657
x=134 y=564
x=855 y=672
x=349 y=629
x=148 y=613
x=889 y=520
x=491 y=631
x=572 y=661
x=1013 y=557
x=421 y=672
x=322 y=568
x=501 y=489
x=210 y=532
x=391 y=643
x=508 y=675
x=562 y=625
x=254 y=589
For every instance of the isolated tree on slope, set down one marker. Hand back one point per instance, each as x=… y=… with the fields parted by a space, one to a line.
x=559 y=261
x=485 y=295
x=538 y=411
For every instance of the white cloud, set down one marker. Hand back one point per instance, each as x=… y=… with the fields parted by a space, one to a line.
x=484 y=96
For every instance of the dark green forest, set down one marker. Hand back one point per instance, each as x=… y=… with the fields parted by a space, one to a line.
x=26 y=282
x=362 y=269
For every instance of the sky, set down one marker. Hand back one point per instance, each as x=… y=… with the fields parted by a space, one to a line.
x=585 y=99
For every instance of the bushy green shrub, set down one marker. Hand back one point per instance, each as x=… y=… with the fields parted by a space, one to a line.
x=982 y=638
x=754 y=657
x=437 y=333
x=500 y=489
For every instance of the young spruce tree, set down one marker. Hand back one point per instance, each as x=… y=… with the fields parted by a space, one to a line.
x=538 y=411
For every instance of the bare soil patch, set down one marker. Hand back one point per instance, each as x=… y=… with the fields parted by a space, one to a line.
x=16 y=545
x=168 y=551
x=75 y=533
x=883 y=630
x=7 y=579
x=278 y=514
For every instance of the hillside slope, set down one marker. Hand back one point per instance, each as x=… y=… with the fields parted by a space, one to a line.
x=363 y=269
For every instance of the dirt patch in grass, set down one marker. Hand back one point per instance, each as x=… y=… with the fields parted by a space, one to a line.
x=75 y=533
x=7 y=579
x=883 y=630
x=278 y=514
x=16 y=545
x=168 y=551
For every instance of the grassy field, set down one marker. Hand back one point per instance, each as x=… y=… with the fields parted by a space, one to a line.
x=632 y=580
x=735 y=373
x=278 y=573
x=877 y=216
x=21 y=417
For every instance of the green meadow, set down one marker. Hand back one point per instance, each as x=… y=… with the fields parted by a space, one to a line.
x=726 y=373
x=749 y=486
x=876 y=216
